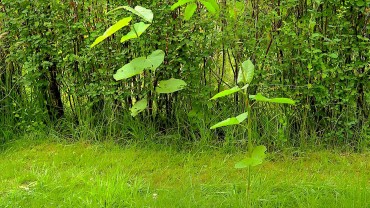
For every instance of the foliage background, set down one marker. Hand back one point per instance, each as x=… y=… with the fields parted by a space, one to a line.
x=316 y=52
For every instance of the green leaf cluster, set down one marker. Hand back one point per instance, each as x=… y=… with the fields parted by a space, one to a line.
x=137 y=65
x=135 y=32
x=145 y=14
x=191 y=6
x=111 y=30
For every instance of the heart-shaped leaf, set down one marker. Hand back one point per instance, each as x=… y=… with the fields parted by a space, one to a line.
x=246 y=73
x=142 y=12
x=226 y=92
x=170 y=86
x=111 y=30
x=257 y=157
x=259 y=153
x=135 y=67
x=135 y=32
x=138 y=107
x=246 y=162
x=214 y=4
x=155 y=59
x=208 y=6
x=189 y=10
x=231 y=121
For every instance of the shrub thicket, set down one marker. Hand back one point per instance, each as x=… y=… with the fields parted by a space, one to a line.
x=316 y=52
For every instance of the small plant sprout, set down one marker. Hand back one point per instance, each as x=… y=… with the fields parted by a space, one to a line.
x=139 y=64
x=255 y=155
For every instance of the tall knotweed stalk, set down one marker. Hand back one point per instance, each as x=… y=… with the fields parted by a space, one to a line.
x=255 y=155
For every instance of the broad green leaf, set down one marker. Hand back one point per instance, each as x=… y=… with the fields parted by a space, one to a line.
x=259 y=153
x=231 y=121
x=242 y=117
x=111 y=30
x=261 y=98
x=170 y=86
x=208 y=6
x=241 y=76
x=180 y=3
x=226 y=92
x=135 y=32
x=155 y=59
x=227 y=122
x=114 y=28
x=147 y=14
x=214 y=4
x=142 y=12
x=98 y=40
x=138 y=107
x=283 y=101
x=246 y=162
x=189 y=11
x=249 y=70
x=257 y=157
x=135 y=67
x=246 y=73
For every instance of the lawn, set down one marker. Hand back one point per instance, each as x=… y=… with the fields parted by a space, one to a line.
x=83 y=174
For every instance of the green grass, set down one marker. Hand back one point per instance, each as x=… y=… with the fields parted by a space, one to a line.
x=54 y=174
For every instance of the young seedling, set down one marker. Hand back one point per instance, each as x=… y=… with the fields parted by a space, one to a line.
x=139 y=64
x=255 y=155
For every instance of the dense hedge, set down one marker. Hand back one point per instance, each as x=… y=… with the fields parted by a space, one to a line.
x=316 y=52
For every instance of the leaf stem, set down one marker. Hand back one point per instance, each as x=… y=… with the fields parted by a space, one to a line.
x=248 y=191
x=249 y=123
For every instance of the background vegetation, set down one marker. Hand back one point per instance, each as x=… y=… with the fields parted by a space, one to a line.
x=316 y=52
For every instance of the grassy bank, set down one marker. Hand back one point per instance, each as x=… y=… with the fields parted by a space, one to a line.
x=52 y=174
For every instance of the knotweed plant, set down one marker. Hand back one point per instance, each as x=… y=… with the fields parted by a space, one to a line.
x=139 y=64
x=255 y=155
